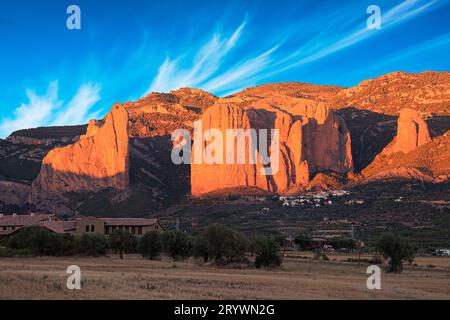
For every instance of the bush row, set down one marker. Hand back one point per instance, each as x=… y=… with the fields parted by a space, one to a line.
x=217 y=243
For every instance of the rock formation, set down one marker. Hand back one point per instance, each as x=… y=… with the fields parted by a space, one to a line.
x=412 y=132
x=14 y=193
x=432 y=160
x=389 y=93
x=98 y=160
x=122 y=163
x=412 y=154
x=311 y=139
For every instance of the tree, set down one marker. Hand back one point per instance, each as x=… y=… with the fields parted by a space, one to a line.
x=177 y=245
x=123 y=242
x=216 y=235
x=200 y=248
x=92 y=244
x=150 y=245
x=225 y=243
x=267 y=251
x=38 y=240
x=396 y=249
x=235 y=246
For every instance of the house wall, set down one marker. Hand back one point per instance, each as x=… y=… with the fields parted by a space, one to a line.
x=90 y=225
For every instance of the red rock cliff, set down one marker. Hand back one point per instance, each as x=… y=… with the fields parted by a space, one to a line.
x=412 y=132
x=311 y=139
x=98 y=160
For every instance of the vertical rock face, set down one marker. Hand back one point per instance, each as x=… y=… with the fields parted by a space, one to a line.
x=98 y=160
x=208 y=177
x=311 y=139
x=412 y=132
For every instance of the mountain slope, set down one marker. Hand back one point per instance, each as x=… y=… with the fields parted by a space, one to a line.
x=368 y=112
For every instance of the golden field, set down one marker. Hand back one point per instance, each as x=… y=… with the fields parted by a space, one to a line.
x=301 y=277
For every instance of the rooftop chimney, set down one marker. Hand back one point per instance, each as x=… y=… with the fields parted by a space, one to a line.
x=32 y=214
x=1 y=215
x=14 y=214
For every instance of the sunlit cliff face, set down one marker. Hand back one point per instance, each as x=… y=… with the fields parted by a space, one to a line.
x=132 y=145
x=98 y=160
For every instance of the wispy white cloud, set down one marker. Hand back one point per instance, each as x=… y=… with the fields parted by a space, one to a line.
x=220 y=64
x=345 y=30
x=78 y=110
x=172 y=75
x=47 y=109
x=241 y=75
x=324 y=46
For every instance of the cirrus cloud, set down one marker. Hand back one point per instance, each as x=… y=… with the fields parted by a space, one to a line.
x=47 y=109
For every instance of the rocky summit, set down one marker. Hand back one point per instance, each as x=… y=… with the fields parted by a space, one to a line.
x=392 y=127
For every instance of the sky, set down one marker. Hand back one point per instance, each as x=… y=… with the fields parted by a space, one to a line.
x=51 y=75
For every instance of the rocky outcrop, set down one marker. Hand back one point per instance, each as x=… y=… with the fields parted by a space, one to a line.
x=97 y=161
x=14 y=193
x=311 y=139
x=426 y=92
x=400 y=173
x=412 y=154
x=122 y=163
x=432 y=158
x=412 y=132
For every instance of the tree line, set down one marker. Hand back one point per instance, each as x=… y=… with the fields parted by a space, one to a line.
x=216 y=243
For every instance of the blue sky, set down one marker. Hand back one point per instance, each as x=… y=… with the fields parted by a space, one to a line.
x=125 y=49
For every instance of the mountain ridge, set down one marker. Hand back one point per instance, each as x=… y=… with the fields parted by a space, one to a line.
x=369 y=110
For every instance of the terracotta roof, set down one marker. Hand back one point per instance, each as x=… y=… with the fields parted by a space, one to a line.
x=24 y=220
x=129 y=221
x=59 y=226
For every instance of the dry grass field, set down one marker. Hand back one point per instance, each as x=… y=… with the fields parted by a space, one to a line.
x=300 y=278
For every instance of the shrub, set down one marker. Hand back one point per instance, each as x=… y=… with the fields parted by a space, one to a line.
x=123 y=242
x=92 y=245
x=177 y=245
x=38 y=240
x=200 y=248
x=235 y=247
x=150 y=245
x=267 y=250
x=396 y=249
x=223 y=242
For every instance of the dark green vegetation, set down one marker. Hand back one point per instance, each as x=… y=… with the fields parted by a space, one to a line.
x=397 y=250
x=266 y=250
x=123 y=242
x=422 y=215
x=217 y=243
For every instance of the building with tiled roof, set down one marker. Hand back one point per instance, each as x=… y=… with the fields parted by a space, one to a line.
x=9 y=224
x=137 y=226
